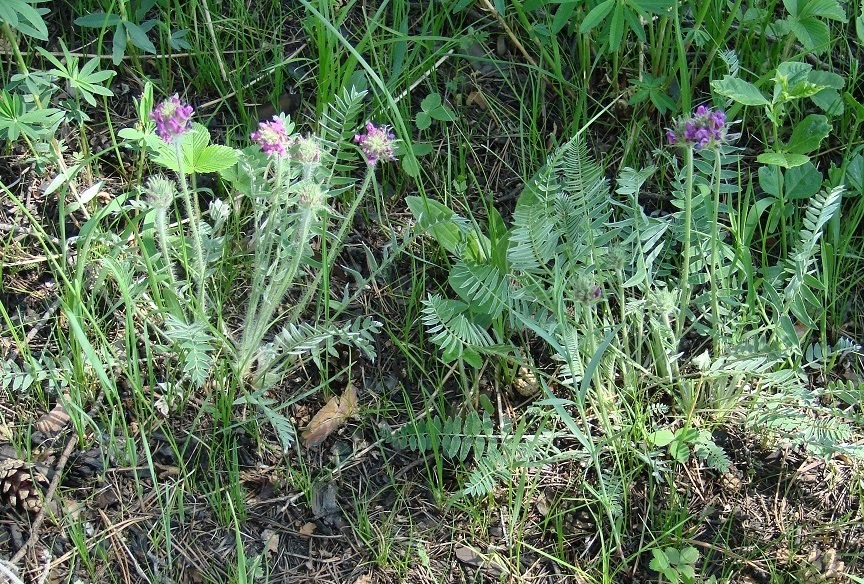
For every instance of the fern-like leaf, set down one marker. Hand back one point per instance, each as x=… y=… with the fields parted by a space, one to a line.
x=482 y=287
x=534 y=239
x=452 y=330
x=195 y=344
x=798 y=293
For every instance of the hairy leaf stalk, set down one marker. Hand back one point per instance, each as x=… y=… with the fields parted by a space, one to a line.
x=688 y=220
x=201 y=269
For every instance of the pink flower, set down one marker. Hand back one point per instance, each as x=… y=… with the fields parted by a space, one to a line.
x=377 y=143
x=172 y=117
x=272 y=137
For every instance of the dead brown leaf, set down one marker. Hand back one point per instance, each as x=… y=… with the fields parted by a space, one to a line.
x=271 y=542
x=307 y=529
x=330 y=417
x=473 y=557
x=53 y=422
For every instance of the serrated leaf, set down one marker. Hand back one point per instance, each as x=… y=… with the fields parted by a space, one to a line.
x=411 y=166
x=811 y=32
x=215 y=158
x=830 y=9
x=659 y=563
x=430 y=102
x=423 y=120
x=689 y=555
x=826 y=79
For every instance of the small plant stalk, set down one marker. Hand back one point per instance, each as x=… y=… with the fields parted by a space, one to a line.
x=685 y=259
x=191 y=213
x=162 y=234
x=715 y=243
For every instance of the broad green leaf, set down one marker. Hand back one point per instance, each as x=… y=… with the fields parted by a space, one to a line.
x=812 y=33
x=130 y=134
x=635 y=25
x=679 y=451
x=661 y=438
x=214 y=158
x=430 y=102
x=829 y=101
x=689 y=555
x=423 y=121
x=792 y=81
x=859 y=25
x=562 y=16
x=855 y=174
x=830 y=9
x=118 y=47
x=443 y=114
x=421 y=148
x=98 y=20
x=659 y=562
x=802 y=182
x=808 y=134
x=652 y=6
x=826 y=79
x=616 y=27
x=437 y=217
x=673 y=556
x=739 y=90
x=769 y=181
x=596 y=15
x=784 y=159
x=138 y=37
x=411 y=166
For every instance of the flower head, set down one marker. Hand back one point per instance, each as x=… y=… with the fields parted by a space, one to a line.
x=307 y=150
x=377 y=143
x=161 y=191
x=705 y=128
x=272 y=136
x=172 y=117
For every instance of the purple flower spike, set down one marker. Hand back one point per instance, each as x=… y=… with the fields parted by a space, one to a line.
x=272 y=137
x=705 y=128
x=672 y=137
x=172 y=117
x=377 y=143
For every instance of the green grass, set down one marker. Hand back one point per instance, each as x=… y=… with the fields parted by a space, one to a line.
x=197 y=428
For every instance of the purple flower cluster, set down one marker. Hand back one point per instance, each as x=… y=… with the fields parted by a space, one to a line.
x=377 y=143
x=272 y=136
x=707 y=127
x=172 y=117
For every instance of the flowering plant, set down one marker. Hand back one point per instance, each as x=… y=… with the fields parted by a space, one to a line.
x=706 y=128
x=288 y=180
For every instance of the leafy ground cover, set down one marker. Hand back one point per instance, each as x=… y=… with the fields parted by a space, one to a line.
x=464 y=291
